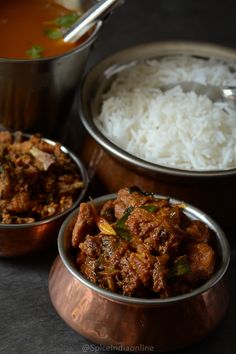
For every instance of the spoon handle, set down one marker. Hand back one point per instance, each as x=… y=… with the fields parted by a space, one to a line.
x=213 y=92
x=97 y=11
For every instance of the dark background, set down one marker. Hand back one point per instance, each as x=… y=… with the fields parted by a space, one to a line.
x=140 y=21
x=28 y=322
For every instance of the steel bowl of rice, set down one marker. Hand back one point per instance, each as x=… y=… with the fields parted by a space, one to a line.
x=174 y=142
x=41 y=181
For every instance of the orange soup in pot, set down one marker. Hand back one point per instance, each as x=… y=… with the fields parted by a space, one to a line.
x=32 y=29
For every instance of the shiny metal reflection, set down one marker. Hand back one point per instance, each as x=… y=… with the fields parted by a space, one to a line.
x=36 y=95
x=97 y=12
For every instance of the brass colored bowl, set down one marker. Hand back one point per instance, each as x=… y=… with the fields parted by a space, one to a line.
x=211 y=191
x=22 y=239
x=125 y=322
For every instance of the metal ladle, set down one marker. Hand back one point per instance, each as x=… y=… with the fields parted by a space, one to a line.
x=214 y=93
x=88 y=19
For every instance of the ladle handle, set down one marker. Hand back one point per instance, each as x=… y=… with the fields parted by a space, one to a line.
x=86 y=21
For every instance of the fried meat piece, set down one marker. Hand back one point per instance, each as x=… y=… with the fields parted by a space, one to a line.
x=149 y=247
x=162 y=236
x=160 y=272
x=128 y=281
x=201 y=258
x=125 y=199
x=84 y=224
x=198 y=231
x=20 y=203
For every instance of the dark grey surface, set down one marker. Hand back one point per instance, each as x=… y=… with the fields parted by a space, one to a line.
x=28 y=322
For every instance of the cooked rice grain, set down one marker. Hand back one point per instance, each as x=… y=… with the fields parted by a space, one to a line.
x=173 y=128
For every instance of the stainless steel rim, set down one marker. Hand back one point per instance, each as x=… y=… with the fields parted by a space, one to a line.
x=191 y=211
x=81 y=47
x=122 y=154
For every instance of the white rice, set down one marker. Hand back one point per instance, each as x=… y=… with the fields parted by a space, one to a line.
x=176 y=129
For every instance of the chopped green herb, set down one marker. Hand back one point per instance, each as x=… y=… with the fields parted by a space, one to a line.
x=63 y=21
x=1 y=169
x=67 y=20
x=150 y=208
x=53 y=33
x=59 y=24
x=181 y=267
x=35 y=51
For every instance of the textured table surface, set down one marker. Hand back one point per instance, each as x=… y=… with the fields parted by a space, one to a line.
x=28 y=322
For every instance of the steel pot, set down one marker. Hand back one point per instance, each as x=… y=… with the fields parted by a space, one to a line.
x=36 y=95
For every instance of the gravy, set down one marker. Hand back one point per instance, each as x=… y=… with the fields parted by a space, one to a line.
x=26 y=25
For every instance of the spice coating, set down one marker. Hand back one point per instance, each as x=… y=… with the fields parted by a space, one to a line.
x=143 y=246
x=37 y=179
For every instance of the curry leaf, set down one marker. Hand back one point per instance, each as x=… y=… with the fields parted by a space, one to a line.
x=150 y=208
x=120 y=226
x=123 y=233
x=121 y=222
x=136 y=189
x=35 y=51
x=180 y=267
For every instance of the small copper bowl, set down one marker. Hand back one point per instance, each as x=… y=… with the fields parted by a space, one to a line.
x=22 y=239
x=123 y=322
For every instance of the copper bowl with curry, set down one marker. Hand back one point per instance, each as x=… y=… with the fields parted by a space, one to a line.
x=41 y=182
x=211 y=190
x=110 y=314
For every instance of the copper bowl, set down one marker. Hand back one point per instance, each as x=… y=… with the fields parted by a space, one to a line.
x=212 y=191
x=123 y=322
x=22 y=239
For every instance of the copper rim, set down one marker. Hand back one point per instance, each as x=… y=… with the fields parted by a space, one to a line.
x=85 y=179
x=223 y=249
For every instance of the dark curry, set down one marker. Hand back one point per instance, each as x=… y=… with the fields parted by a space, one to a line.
x=33 y=28
x=143 y=246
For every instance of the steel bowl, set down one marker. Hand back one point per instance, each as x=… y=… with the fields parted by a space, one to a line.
x=212 y=191
x=22 y=239
x=129 y=323
x=36 y=95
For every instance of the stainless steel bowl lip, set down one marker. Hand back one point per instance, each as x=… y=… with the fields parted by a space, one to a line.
x=114 y=149
x=191 y=210
x=7 y=227
x=69 y=53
